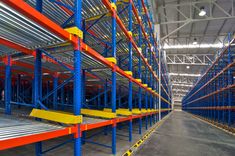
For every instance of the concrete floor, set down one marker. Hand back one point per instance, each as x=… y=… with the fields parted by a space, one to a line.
x=183 y=135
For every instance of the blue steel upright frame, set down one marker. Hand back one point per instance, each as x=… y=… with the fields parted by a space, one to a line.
x=212 y=98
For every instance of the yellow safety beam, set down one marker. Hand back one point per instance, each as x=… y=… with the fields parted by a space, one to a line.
x=128 y=73
x=112 y=59
x=145 y=85
x=149 y=88
x=138 y=80
x=65 y=118
x=144 y=110
x=120 y=111
x=136 y=111
x=98 y=113
x=75 y=31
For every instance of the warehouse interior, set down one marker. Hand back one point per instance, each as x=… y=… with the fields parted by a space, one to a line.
x=117 y=77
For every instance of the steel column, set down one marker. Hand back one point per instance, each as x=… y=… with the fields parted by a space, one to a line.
x=77 y=97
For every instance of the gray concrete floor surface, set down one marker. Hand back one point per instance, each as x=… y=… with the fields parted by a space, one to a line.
x=183 y=135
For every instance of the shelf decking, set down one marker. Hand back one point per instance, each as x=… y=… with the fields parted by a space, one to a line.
x=17 y=132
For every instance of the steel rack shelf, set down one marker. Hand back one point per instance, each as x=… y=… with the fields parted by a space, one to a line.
x=104 y=63
x=212 y=97
x=17 y=132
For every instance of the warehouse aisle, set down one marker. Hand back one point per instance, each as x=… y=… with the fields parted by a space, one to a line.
x=183 y=135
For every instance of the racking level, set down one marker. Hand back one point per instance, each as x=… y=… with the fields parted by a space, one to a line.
x=80 y=65
x=212 y=97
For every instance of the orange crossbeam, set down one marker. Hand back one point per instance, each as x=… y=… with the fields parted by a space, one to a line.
x=29 y=139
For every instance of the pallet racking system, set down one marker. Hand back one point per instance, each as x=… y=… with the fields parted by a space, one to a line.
x=72 y=62
x=212 y=98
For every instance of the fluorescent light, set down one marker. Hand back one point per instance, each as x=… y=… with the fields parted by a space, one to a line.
x=183 y=85
x=202 y=12
x=181 y=74
x=187 y=67
x=195 y=41
x=192 y=46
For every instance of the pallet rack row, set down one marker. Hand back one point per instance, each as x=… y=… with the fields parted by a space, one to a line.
x=213 y=96
x=85 y=64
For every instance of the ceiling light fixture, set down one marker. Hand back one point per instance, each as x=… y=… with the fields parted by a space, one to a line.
x=202 y=11
x=192 y=46
x=188 y=67
x=194 y=41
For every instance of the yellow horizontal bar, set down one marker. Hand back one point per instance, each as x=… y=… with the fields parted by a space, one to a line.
x=144 y=110
x=65 y=118
x=138 y=80
x=75 y=31
x=98 y=113
x=128 y=72
x=120 y=111
x=145 y=85
x=112 y=59
x=136 y=111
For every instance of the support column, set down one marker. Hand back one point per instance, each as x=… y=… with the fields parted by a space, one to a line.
x=77 y=97
x=139 y=66
x=37 y=91
x=159 y=85
x=130 y=67
x=114 y=27
x=230 y=80
x=7 y=90
x=47 y=92
x=105 y=94
x=18 y=88
x=55 y=95
x=83 y=87
x=62 y=98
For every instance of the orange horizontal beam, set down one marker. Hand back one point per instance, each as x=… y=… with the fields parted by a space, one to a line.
x=29 y=139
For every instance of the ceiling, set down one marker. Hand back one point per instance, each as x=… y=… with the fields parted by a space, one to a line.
x=180 y=25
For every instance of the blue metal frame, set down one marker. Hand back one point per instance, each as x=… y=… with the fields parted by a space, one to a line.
x=77 y=76
x=7 y=92
x=212 y=96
